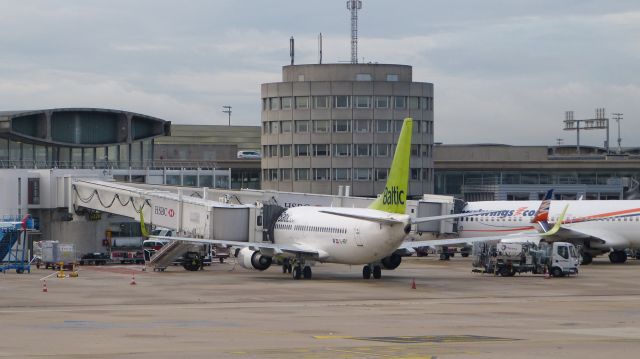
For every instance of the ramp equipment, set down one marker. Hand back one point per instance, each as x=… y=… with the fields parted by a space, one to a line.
x=14 y=249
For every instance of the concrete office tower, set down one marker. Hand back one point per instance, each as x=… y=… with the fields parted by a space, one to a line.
x=332 y=125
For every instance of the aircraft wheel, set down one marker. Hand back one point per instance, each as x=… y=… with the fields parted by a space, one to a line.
x=306 y=272
x=297 y=272
x=366 y=272
x=587 y=258
x=377 y=272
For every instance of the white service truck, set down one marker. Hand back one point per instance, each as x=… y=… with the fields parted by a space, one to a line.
x=506 y=259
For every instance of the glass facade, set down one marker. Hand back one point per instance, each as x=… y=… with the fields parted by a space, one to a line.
x=451 y=182
x=26 y=155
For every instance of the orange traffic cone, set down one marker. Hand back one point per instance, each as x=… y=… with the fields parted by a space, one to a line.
x=44 y=286
x=413 y=284
x=133 y=279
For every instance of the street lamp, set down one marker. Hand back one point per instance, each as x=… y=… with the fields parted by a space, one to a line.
x=227 y=110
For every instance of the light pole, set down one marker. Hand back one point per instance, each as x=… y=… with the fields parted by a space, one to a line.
x=618 y=117
x=227 y=110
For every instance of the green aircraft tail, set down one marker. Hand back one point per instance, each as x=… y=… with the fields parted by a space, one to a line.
x=394 y=197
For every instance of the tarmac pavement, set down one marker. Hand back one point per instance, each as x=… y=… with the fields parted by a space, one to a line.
x=225 y=311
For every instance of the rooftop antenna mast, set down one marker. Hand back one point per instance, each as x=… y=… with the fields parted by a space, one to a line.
x=292 y=50
x=354 y=6
x=320 y=48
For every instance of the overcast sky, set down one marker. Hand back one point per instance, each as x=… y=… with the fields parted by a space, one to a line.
x=504 y=71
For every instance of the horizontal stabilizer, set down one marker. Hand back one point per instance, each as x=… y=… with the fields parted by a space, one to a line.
x=446 y=216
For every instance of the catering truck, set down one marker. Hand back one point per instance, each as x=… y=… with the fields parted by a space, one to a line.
x=506 y=259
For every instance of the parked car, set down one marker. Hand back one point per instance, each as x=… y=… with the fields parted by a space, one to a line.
x=249 y=155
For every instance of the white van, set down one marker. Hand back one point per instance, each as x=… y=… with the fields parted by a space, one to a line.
x=249 y=154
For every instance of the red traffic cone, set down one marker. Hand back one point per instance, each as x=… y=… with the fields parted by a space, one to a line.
x=133 y=279
x=413 y=284
x=44 y=286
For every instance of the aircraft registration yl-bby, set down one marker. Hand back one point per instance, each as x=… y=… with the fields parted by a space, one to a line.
x=372 y=237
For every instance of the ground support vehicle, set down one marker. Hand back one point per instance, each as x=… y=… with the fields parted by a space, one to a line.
x=125 y=250
x=95 y=258
x=56 y=255
x=159 y=254
x=506 y=259
x=13 y=249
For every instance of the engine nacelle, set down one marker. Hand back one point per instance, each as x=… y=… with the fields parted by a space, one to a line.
x=391 y=262
x=250 y=259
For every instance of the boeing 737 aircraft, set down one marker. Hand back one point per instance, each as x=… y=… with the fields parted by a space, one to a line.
x=599 y=226
x=367 y=236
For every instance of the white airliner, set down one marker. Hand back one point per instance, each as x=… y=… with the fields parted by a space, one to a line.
x=598 y=226
x=367 y=236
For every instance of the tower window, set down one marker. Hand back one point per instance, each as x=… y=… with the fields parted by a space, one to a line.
x=342 y=101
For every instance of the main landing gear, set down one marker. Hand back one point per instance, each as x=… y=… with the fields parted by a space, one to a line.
x=298 y=269
x=587 y=258
x=371 y=269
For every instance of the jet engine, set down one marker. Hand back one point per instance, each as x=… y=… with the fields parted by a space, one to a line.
x=251 y=259
x=391 y=262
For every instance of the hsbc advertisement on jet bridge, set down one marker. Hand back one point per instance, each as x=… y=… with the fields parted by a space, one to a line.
x=164 y=213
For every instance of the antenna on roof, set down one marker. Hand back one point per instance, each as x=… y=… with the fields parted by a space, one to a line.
x=291 y=49
x=320 y=49
x=354 y=6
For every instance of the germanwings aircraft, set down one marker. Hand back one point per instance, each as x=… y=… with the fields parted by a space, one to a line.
x=598 y=226
x=367 y=236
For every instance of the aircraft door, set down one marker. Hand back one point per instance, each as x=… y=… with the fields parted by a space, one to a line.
x=357 y=237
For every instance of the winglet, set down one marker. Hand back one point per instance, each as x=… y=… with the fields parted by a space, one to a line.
x=556 y=227
x=143 y=228
x=394 y=197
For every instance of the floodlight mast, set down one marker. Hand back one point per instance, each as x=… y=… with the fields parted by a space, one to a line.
x=354 y=6
x=618 y=117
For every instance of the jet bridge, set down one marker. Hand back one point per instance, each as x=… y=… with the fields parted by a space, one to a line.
x=188 y=216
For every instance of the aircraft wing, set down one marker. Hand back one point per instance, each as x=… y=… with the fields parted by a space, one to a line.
x=377 y=219
x=532 y=237
x=264 y=247
x=523 y=236
x=387 y=219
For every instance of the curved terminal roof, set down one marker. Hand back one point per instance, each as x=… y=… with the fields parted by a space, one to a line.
x=80 y=127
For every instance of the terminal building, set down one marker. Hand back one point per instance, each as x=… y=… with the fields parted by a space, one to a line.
x=41 y=150
x=487 y=172
x=328 y=126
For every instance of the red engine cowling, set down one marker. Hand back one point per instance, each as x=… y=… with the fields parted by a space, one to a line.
x=250 y=259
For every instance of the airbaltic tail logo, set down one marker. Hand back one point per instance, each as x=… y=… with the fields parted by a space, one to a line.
x=395 y=192
x=393 y=196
